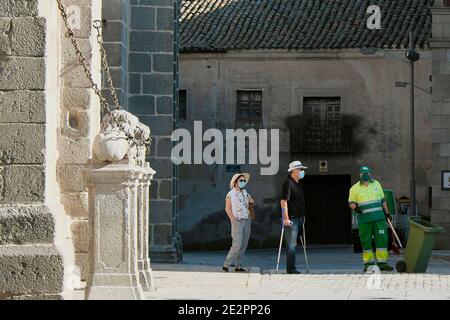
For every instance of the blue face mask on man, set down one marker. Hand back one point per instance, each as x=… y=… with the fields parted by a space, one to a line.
x=301 y=174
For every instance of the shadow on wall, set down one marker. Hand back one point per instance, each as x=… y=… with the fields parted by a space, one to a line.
x=356 y=144
x=214 y=231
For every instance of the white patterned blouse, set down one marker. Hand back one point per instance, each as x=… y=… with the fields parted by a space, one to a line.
x=239 y=203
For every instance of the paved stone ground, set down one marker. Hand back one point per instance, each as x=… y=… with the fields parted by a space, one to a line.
x=335 y=273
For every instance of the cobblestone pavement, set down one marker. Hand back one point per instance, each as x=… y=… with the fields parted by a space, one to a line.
x=335 y=273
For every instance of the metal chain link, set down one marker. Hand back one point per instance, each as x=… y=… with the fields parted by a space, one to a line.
x=137 y=138
x=98 y=25
x=82 y=60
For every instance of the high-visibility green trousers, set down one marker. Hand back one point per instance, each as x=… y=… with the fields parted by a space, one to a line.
x=378 y=231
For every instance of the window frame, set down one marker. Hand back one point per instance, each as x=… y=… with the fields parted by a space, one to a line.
x=321 y=128
x=251 y=107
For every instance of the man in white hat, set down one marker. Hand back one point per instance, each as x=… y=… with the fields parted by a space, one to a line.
x=293 y=211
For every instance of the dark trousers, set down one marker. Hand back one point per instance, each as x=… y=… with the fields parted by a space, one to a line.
x=291 y=235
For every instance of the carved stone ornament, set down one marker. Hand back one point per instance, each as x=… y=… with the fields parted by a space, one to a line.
x=121 y=135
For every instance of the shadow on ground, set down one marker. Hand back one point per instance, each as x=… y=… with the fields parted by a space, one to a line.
x=213 y=232
x=322 y=260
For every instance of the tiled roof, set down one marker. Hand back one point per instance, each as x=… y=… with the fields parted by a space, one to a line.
x=223 y=25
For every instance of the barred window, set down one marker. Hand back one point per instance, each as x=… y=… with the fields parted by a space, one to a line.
x=322 y=109
x=321 y=130
x=249 y=105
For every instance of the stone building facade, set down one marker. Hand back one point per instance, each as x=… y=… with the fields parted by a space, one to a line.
x=302 y=53
x=49 y=117
x=440 y=113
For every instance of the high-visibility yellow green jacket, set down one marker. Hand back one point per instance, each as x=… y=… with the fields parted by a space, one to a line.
x=370 y=201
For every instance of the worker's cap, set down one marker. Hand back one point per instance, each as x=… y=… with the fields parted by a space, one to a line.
x=365 y=169
x=296 y=165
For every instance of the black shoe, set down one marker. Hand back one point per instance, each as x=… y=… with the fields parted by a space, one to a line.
x=240 y=270
x=225 y=269
x=295 y=271
x=385 y=267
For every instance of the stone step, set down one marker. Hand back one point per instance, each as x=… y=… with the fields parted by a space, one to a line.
x=164 y=255
x=27 y=270
x=26 y=224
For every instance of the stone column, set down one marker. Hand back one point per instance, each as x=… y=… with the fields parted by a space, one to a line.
x=151 y=93
x=114 y=250
x=79 y=117
x=440 y=46
x=145 y=275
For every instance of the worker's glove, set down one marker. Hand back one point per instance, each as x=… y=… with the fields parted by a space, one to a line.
x=388 y=215
x=358 y=210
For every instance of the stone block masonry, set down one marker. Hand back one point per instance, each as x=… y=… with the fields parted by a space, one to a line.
x=30 y=270
x=47 y=124
x=22 y=106
x=440 y=45
x=19 y=8
x=79 y=117
x=116 y=37
x=152 y=50
x=25 y=224
x=30 y=264
x=145 y=29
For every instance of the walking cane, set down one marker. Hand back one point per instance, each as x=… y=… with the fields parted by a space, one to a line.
x=303 y=240
x=279 y=250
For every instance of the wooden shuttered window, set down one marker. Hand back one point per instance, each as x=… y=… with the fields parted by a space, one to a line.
x=320 y=129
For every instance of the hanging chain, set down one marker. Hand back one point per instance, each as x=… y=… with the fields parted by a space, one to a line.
x=137 y=138
x=82 y=60
x=98 y=25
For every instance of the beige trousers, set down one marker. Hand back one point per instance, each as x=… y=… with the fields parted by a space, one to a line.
x=240 y=232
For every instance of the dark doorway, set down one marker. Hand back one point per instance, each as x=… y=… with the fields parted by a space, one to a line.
x=328 y=219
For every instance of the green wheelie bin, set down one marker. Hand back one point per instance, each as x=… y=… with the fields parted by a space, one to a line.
x=421 y=240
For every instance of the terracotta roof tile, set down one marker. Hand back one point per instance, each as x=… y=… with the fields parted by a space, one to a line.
x=224 y=25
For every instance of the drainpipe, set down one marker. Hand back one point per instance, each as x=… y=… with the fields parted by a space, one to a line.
x=175 y=169
x=413 y=56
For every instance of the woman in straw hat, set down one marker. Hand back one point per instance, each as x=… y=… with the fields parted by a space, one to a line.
x=237 y=208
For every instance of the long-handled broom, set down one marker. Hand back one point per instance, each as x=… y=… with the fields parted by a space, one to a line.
x=395 y=246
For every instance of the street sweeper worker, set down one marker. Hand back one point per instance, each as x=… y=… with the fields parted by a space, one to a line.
x=367 y=200
x=293 y=211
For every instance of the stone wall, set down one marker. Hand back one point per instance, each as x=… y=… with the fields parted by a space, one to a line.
x=143 y=30
x=441 y=119
x=116 y=15
x=31 y=266
x=48 y=120
x=151 y=98
x=78 y=122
